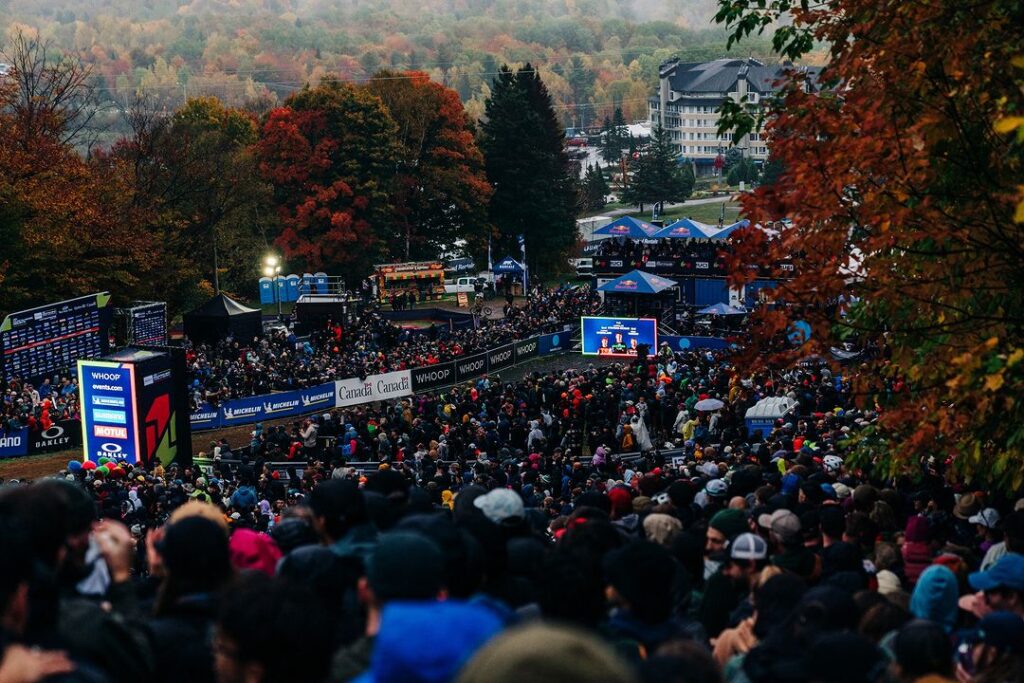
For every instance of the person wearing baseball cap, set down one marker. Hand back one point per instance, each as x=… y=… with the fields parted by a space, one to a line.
x=1003 y=584
x=787 y=539
x=743 y=561
x=504 y=507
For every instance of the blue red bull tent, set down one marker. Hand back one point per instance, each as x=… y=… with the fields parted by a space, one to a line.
x=629 y=227
x=686 y=228
x=730 y=229
x=637 y=282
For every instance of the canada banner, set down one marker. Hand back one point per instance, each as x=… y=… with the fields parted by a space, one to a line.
x=470 y=367
x=501 y=358
x=433 y=376
x=354 y=391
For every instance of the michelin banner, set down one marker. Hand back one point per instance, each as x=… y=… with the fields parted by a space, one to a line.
x=354 y=391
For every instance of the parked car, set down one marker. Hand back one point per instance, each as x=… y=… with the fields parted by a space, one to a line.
x=467 y=284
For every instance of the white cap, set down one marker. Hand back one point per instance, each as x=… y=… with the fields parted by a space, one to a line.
x=988 y=518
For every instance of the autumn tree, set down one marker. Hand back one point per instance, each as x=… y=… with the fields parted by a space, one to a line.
x=900 y=177
x=58 y=238
x=440 y=190
x=331 y=155
x=523 y=144
x=656 y=176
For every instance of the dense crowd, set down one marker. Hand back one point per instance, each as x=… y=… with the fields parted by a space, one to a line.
x=372 y=345
x=662 y=249
x=583 y=525
x=38 y=407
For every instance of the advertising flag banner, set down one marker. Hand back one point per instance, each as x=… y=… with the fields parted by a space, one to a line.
x=354 y=391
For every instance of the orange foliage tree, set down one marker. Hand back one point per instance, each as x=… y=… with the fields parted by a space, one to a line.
x=901 y=180
x=330 y=154
x=58 y=238
x=440 y=189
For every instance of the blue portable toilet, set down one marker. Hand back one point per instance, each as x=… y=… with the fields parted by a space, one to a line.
x=321 y=282
x=266 y=290
x=292 y=287
x=306 y=284
x=281 y=285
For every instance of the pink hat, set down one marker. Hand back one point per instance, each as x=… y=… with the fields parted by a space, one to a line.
x=250 y=550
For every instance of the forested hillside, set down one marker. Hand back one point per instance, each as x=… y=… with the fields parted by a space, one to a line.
x=592 y=54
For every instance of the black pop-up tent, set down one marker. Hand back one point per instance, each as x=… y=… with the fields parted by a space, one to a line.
x=222 y=317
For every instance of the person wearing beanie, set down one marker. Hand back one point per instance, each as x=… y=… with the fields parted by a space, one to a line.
x=662 y=529
x=639 y=577
x=196 y=562
x=405 y=566
x=254 y=551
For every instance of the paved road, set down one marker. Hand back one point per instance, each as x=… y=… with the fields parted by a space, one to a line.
x=614 y=213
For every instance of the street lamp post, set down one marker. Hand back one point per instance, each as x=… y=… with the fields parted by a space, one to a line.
x=272 y=269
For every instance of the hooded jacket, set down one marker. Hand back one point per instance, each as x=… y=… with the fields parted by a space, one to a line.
x=935 y=597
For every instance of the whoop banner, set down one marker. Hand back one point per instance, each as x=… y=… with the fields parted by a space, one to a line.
x=433 y=376
x=470 y=367
x=526 y=350
x=353 y=391
x=501 y=358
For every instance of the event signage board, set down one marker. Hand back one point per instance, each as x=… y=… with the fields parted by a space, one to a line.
x=501 y=358
x=618 y=336
x=527 y=349
x=433 y=376
x=42 y=341
x=470 y=367
x=13 y=442
x=205 y=416
x=553 y=343
x=147 y=324
x=682 y=344
x=60 y=436
x=354 y=391
x=107 y=394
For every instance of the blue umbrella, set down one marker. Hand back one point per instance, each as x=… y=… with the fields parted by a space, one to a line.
x=721 y=309
x=637 y=282
x=628 y=227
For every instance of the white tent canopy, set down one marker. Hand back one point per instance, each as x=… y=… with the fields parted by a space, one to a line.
x=771 y=408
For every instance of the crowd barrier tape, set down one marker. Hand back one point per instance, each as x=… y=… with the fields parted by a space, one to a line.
x=373 y=388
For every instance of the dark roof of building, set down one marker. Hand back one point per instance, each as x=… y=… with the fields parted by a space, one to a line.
x=722 y=75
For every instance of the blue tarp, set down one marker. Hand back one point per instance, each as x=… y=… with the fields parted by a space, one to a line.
x=721 y=309
x=637 y=282
x=628 y=227
x=508 y=265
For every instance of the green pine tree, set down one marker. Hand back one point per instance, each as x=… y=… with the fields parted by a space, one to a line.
x=534 y=193
x=657 y=176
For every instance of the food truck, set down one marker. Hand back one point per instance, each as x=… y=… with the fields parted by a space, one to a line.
x=424 y=278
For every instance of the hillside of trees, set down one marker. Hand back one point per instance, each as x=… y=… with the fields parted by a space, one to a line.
x=593 y=55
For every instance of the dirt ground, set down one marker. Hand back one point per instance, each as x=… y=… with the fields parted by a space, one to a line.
x=35 y=466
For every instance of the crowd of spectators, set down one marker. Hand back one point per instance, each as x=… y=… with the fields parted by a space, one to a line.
x=641 y=251
x=580 y=525
x=38 y=407
x=234 y=368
